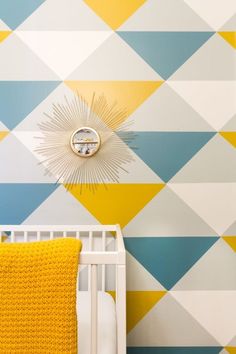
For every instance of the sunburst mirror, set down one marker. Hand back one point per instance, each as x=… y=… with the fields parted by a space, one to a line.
x=85 y=143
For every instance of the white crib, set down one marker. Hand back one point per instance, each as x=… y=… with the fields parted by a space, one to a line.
x=102 y=266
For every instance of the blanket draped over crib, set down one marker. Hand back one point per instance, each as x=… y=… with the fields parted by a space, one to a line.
x=38 y=297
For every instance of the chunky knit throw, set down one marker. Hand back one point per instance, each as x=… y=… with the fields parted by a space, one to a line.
x=38 y=297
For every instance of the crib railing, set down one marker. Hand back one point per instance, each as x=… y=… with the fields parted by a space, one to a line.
x=102 y=246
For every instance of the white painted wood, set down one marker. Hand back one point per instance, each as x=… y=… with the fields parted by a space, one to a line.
x=94 y=308
x=23 y=227
x=121 y=308
x=89 y=264
x=103 y=285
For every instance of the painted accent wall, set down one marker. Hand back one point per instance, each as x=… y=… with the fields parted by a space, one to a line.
x=172 y=65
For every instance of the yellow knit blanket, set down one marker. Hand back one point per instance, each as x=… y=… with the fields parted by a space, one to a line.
x=38 y=297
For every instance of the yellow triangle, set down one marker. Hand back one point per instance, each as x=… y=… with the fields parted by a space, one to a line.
x=231 y=350
x=3 y=135
x=128 y=94
x=114 y=12
x=231 y=240
x=4 y=35
x=230 y=137
x=139 y=303
x=230 y=37
x=117 y=204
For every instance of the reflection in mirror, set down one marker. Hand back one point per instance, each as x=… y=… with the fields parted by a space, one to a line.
x=85 y=142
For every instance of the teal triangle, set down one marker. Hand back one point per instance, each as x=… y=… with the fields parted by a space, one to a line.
x=174 y=350
x=167 y=152
x=165 y=52
x=168 y=258
x=14 y=12
x=19 y=200
x=19 y=98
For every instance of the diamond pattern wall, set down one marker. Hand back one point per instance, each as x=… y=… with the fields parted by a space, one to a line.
x=172 y=63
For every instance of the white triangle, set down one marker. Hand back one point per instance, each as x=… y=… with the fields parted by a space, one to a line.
x=168 y=324
x=219 y=161
x=215 y=13
x=63 y=51
x=156 y=114
x=230 y=126
x=210 y=274
x=138 y=278
x=4 y=26
x=214 y=202
x=215 y=310
x=213 y=100
x=27 y=65
x=114 y=60
x=37 y=116
x=165 y=15
x=60 y=208
x=215 y=60
x=230 y=25
x=167 y=215
x=63 y=15
x=18 y=165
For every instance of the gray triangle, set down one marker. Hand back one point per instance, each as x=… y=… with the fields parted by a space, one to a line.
x=37 y=116
x=230 y=25
x=18 y=165
x=214 y=271
x=169 y=324
x=215 y=162
x=230 y=126
x=60 y=208
x=232 y=343
x=122 y=63
x=165 y=15
x=231 y=231
x=157 y=114
x=26 y=66
x=215 y=60
x=63 y=15
x=167 y=215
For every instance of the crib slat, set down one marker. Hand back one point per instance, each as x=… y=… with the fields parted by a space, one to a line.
x=90 y=246
x=13 y=236
x=25 y=236
x=94 y=308
x=103 y=265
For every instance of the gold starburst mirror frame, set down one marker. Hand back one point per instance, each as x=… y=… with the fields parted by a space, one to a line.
x=84 y=143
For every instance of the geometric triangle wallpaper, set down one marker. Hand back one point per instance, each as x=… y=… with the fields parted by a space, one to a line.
x=172 y=64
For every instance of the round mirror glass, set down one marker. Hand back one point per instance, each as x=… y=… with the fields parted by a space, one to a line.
x=85 y=141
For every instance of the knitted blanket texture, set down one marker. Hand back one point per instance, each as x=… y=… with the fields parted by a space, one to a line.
x=38 y=297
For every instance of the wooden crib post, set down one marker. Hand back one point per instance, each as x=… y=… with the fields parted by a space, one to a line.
x=121 y=309
x=121 y=294
x=94 y=308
